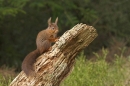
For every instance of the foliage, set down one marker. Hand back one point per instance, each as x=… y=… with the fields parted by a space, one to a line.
x=6 y=75
x=11 y=7
x=98 y=73
x=113 y=19
x=4 y=81
x=90 y=73
x=18 y=32
x=21 y=20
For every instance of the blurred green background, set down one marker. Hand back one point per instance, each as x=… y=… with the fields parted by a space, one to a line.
x=21 y=20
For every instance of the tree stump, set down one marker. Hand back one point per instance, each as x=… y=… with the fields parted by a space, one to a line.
x=53 y=66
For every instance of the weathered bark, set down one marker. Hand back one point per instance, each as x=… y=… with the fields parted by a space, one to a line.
x=53 y=66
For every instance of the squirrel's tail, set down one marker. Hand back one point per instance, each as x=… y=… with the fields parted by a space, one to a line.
x=27 y=65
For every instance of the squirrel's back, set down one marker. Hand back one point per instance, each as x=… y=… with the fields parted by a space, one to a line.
x=42 y=41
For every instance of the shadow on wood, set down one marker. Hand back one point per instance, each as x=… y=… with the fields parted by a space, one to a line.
x=53 y=66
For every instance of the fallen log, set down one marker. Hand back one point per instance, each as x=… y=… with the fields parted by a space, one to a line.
x=53 y=66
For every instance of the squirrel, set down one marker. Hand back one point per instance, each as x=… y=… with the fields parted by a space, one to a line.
x=43 y=43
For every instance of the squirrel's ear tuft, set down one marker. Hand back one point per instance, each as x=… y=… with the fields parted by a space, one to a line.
x=49 y=21
x=56 y=20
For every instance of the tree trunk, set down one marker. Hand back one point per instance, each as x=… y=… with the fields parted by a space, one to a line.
x=53 y=66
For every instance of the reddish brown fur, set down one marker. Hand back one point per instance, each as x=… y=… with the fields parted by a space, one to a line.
x=43 y=42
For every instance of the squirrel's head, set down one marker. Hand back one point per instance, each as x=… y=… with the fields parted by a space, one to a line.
x=53 y=27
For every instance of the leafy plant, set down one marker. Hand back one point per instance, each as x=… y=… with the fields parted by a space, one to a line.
x=11 y=7
x=97 y=73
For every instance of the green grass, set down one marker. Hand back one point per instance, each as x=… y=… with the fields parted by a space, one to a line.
x=6 y=75
x=5 y=81
x=99 y=72
x=94 y=73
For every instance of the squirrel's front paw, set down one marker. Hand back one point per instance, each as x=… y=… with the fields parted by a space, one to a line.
x=57 y=39
x=49 y=48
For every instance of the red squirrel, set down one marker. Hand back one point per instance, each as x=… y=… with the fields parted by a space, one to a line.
x=43 y=43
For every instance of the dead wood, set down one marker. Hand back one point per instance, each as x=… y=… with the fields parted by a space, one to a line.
x=53 y=66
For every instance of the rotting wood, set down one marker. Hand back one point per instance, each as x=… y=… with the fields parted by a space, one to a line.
x=53 y=66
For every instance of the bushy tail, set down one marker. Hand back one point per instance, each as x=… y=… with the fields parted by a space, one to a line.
x=29 y=60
